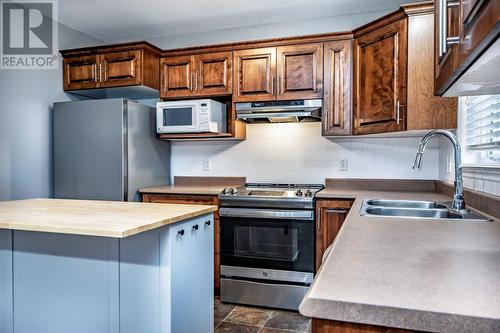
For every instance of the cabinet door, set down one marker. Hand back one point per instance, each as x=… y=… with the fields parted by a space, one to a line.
x=190 y=266
x=214 y=74
x=424 y=110
x=330 y=214
x=81 y=72
x=299 y=71
x=337 y=100
x=195 y=200
x=446 y=52
x=121 y=68
x=380 y=80
x=255 y=75
x=177 y=77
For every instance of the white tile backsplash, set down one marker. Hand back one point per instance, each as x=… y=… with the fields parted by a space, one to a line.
x=297 y=153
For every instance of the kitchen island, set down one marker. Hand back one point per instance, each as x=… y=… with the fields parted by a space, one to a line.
x=97 y=266
x=411 y=274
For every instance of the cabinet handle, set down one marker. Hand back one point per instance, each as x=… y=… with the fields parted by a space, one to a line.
x=207 y=222
x=278 y=88
x=398 y=106
x=273 y=82
x=100 y=73
x=339 y=211
x=318 y=218
x=452 y=40
x=181 y=232
x=444 y=40
x=195 y=227
x=95 y=72
x=196 y=81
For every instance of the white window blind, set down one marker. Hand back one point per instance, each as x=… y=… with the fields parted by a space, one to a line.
x=482 y=125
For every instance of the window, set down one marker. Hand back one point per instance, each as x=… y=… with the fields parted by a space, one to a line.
x=480 y=129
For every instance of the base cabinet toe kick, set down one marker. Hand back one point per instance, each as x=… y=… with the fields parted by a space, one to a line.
x=154 y=281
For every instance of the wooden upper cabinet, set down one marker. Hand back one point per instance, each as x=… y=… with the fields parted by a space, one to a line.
x=425 y=110
x=464 y=31
x=177 y=76
x=81 y=72
x=122 y=65
x=300 y=71
x=121 y=68
x=446 y=53
x=380 y=79
x=206 y=75
x=214 y=74
x=254 y=75
x=337 y=100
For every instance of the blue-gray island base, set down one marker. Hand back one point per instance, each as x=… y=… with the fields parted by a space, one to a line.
x=158 y=281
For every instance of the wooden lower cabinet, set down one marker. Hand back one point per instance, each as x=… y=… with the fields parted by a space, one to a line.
x=331 y=326
x=330 y=214
x=195 y=200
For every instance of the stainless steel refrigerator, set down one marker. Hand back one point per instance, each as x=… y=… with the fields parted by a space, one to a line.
x=106 y=150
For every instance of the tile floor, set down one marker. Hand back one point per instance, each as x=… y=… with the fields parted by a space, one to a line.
x=230 y=318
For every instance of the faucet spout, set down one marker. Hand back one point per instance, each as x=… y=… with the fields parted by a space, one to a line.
x=458 y=195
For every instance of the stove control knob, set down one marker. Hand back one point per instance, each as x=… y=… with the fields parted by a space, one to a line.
x=308 y=193
x=235 y=190
x=226 y=190
x=299 y=193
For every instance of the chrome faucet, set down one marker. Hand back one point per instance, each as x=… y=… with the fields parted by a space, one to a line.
x=458 y=196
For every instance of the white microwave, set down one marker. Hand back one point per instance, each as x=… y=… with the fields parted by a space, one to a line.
x=191 y=116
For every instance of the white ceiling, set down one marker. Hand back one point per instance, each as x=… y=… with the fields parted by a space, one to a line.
x=119 y=20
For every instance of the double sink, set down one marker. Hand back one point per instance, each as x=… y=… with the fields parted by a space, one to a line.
x=418 y=209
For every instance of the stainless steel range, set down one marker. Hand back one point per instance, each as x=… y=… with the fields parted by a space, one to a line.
x=267 y=244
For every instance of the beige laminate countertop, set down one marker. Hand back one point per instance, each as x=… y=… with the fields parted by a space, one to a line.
x=184 y=189
x=93 y=218
x=428 y=275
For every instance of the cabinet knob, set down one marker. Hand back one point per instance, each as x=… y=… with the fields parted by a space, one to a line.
x=208 y=222
x=181 y=232
x=195 y=227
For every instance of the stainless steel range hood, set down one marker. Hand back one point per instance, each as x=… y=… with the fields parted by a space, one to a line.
x=280 y=111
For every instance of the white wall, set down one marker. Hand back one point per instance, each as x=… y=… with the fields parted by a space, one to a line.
x=297 y=153
x=26 y=98
x=280 y=29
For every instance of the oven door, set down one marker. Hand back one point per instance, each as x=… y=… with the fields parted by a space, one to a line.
x=177 y=117
x=267 y=238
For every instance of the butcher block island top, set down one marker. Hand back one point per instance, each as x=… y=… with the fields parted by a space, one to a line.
x=93 y=218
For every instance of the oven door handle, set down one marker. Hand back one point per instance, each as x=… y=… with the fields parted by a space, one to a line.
x=267 y=213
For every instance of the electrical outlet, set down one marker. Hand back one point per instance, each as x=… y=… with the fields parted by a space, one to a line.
x=207 y=165
x=343 y=164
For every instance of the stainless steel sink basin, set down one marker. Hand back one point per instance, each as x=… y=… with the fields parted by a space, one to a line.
x=406 y=203
x=417 y=209
x=412 y=212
